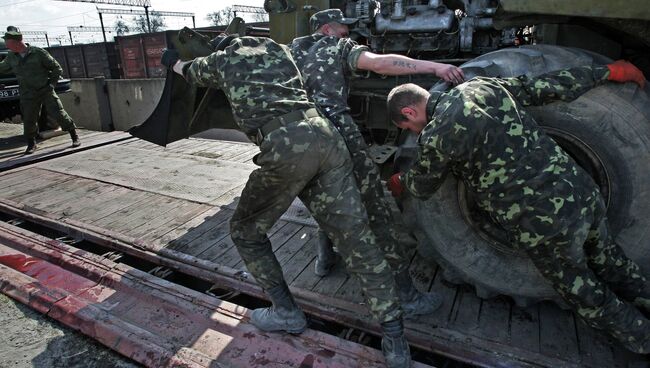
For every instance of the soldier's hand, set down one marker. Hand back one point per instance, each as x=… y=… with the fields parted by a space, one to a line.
x=450 y=73
x=623 y=71
x=169 y=58
x=395 y=184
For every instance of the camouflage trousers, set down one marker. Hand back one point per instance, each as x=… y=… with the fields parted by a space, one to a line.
x=593 y=275
x=368 y=179
x=30 y=109
x=308 y=159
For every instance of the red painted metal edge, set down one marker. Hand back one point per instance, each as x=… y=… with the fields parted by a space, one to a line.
x=153 y=321
x=444 y=341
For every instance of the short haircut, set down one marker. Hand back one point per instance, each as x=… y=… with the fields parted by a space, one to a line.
x=408 y=94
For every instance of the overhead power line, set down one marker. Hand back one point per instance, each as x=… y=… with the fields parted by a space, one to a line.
x=85 y=29
x=248 y=9
x=142 y=12
x=143 y=3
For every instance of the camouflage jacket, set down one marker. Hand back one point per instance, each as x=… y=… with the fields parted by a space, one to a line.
x=326 y=64
x=479 y=132
x=259 y=78
x=35 y=71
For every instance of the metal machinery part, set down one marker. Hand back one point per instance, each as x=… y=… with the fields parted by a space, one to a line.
x=430 y=26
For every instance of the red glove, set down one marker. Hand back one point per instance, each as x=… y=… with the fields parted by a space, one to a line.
x=623 y=71
x=395 y=184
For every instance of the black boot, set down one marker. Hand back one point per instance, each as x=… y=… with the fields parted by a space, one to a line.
x=31 y=146
x=326 y=259
x=394 y=345
x=283 y=315
x=75 y=138
x=414 y=302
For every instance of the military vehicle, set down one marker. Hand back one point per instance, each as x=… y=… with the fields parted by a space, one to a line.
x=607 y=130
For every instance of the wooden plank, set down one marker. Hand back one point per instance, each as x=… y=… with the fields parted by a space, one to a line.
x=278 y=240
x=524 y=328
x=204 y=235
x=13 y=177
x=70 y=192
x=494 y=319
x=466 y=311
x=557 y=333
x=192 y=228
x=225 y=253
x=42 y=190
x=91 y=199
x=285 y=250
x=448 y=294
x=60 y=147
x=36 y=184
x=300 y=262
x=136 y=214
x=177 y=209
x=114 y=202
x=191 y=211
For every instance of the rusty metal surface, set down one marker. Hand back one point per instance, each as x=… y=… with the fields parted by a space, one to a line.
x=448 y=342
x=153 y=321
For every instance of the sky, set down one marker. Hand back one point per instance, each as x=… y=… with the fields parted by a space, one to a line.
x=54 y=16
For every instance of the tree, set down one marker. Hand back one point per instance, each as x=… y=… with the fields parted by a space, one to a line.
x=121 y=28
x=221 y=17
x=157 y=23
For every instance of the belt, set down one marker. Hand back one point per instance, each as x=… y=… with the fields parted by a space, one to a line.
x=283 y=120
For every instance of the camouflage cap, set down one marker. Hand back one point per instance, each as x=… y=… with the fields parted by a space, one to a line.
x=328 y=16
x=13 y=34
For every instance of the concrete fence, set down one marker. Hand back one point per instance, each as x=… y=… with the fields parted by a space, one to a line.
x=111 y=104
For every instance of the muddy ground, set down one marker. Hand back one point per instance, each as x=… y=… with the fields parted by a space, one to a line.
x=29 y=339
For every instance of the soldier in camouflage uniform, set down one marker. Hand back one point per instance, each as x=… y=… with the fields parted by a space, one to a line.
x=37 y=73
x=301 y=154
x=549 y=206
x=327 y=59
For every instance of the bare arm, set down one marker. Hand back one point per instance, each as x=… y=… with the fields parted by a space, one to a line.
x=393 y=64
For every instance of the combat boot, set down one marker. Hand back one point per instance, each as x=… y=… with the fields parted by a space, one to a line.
x=75 y=138
x=283 y=315
x=31 y=146
x=326 y=259
x=394 y=345
x=415 y=303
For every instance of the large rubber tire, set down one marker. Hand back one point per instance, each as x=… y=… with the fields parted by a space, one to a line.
x=607 y=130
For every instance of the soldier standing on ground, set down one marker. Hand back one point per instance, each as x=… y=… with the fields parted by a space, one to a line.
x=549 y=206
x=301 y=154
x=37 y=73
x=327 y=60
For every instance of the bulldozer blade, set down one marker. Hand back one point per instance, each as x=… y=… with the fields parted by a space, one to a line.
x=185 y=109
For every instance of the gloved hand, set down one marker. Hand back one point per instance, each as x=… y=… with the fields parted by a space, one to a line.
x=169 y=58
x=395 y=185
x=623 y=71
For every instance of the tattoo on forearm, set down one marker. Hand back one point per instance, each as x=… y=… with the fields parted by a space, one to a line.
x=404 y=64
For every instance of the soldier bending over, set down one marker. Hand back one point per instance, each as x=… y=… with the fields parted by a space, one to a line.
x=327 y=60
x=301 y=154
x=549 y=206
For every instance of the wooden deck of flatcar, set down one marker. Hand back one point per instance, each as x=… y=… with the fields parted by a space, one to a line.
x=176 y=202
